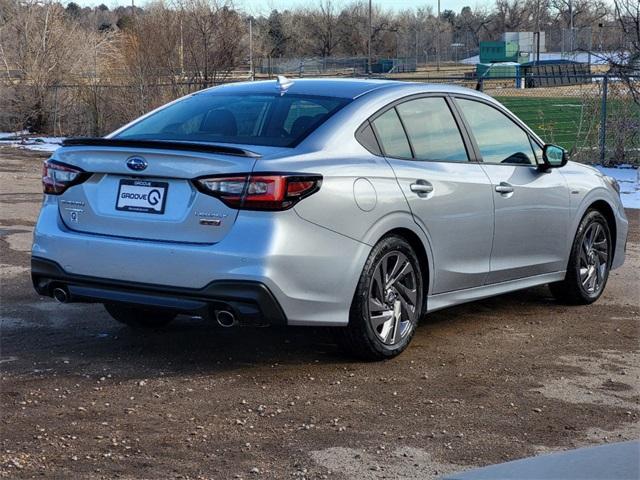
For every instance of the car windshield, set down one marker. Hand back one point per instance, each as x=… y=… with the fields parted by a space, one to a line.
x=250 y=119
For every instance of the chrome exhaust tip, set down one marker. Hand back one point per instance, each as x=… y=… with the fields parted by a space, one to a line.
x=225 y=318
x=61 y=295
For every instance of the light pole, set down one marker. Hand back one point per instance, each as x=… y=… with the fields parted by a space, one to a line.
x=438 y=39
x=571 y=24
x=181 y=47
x=369 y=43
x=251 y=72
x=416 y=47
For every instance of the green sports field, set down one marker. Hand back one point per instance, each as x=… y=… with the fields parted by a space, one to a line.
x=568 y=121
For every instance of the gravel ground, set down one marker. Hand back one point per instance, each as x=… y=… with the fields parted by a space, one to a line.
x=496 y=380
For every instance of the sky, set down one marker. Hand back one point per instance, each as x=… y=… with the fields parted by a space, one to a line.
x=258 y=7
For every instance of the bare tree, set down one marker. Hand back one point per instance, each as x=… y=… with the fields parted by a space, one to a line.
x=474 y=23
x=579 y=12
x=511 y=15
x=321 y=24
x=41 y=46
x=211 y=38
x=627 y=60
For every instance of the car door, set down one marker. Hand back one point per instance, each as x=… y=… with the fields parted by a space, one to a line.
x=449 y=195
x=532 y=207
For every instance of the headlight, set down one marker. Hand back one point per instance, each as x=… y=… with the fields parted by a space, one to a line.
x=613 y=182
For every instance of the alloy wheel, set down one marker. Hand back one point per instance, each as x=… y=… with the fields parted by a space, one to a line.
x=393 y=297
x=594 y=258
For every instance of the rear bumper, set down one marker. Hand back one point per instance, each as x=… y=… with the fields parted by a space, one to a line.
x=311 y=271
x=252 y=302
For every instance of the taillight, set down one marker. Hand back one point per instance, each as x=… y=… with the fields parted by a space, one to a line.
x=57 y=177
x=260 y=191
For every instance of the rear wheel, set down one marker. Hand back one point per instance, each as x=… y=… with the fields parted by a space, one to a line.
x=387 y=304
x=589 y=264
x=139 y=317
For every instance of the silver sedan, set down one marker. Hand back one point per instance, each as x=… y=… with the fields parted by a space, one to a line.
x=356 y=204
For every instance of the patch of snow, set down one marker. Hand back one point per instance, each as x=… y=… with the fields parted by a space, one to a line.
x=13 y=135
x=38 y=144
x=596 y=58
x=629 y=179
x=43 y=144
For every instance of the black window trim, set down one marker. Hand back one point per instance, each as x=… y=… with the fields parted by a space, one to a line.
x=406 y=134
x=519 y=123
x=469 y=144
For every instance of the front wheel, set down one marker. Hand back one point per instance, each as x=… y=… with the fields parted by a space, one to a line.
x=589 y=263
x=387 y=304
x=139 y=317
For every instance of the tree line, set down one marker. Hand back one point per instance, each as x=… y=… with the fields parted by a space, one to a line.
x=118 y=63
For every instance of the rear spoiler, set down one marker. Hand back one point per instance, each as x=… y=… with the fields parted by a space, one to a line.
x=160 y=145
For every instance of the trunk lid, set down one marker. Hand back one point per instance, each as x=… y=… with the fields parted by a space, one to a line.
x=158 y=202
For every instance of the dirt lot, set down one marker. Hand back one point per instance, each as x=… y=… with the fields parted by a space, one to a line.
x=82 y=397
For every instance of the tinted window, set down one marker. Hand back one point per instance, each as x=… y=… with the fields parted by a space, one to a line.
x=391 y=135
x=432 y=130
x=500 y=140
x=273 y=120
x=537 y=150
x=368 y=140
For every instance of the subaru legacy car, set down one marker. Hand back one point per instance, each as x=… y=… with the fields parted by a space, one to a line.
x=355 y=204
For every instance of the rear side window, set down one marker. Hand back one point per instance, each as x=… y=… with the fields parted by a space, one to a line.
x=367 y=139
x=250 y=119
x=432 y=130
x=391 y=135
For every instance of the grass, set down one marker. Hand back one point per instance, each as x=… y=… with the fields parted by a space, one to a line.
x=567 y=121
x=573 y=122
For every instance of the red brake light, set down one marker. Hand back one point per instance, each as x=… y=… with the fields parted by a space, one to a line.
x=57 y=177
x=260 y=192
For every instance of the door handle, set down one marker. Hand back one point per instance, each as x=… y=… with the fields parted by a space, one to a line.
x=421 y=187
x=504 y=188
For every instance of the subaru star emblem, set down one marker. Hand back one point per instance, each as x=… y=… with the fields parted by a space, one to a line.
x=136 y=163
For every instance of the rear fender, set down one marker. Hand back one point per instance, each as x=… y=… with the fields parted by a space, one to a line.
x=405 y=221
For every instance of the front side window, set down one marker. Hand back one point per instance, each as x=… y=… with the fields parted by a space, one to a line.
x=537 y=150
x=499 y=139
x=250 y=119
x=391 y=135
x=432 y=130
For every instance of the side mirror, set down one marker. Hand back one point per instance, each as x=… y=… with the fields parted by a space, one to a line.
x=553 y=157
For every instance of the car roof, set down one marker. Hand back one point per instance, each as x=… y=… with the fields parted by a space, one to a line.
x=350 y=88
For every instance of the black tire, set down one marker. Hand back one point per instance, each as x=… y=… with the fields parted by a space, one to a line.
x=360 y=338
x=139 y=317
x=572 y=289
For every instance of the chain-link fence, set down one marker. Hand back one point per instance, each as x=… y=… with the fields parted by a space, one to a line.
x=305 y=66
x=595 y=117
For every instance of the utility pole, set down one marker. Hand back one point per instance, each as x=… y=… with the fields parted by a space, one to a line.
x=369 y=42
x=438 y=39
x=251 y=72
x=537 y=33
x=416 y=47
x=181 y=51
x=571 y=45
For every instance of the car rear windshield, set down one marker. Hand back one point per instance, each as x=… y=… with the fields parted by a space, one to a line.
x=261 y=119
